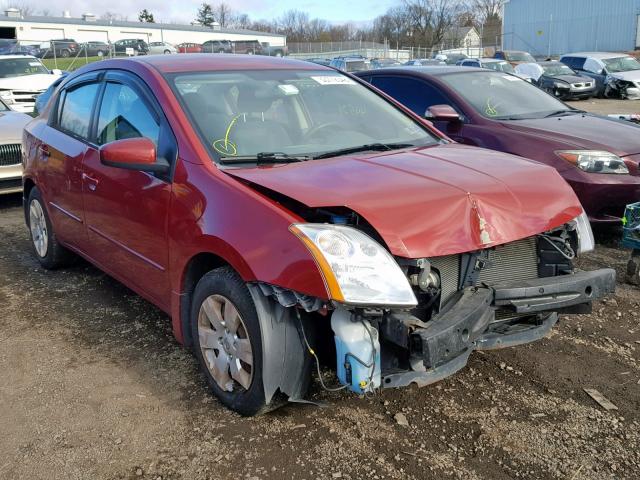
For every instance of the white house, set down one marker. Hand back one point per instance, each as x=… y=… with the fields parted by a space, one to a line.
x=89 y=28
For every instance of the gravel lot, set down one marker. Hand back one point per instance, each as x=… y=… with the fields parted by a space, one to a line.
x=95 y=386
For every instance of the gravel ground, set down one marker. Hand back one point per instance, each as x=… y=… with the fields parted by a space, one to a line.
x=606 y=106
x=94 y=386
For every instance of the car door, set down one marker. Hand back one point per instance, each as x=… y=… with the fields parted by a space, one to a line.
x=64 y=145
x=126 y=210
x=418 y=95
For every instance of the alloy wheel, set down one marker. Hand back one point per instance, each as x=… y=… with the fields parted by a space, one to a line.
x=225 y=343
x=38 y=227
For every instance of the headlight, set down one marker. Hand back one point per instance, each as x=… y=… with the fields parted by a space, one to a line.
x=357 y=270
x=7 y=96
x=586 y=243
x=561 y=85
x=594 y=161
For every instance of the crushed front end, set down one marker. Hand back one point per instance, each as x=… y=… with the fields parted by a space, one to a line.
x=497 y=297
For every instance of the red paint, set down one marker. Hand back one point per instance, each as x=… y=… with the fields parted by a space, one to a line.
x=189 y=48
x=137 y=151
x=144 y=231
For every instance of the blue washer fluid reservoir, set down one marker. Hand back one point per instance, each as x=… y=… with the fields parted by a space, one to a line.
x=357 y=356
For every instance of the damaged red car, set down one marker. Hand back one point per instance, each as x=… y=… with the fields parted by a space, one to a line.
x=285 y=214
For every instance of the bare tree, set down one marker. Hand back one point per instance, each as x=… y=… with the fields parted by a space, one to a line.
x=223 y=14
x=487 y=9
x=25 y=8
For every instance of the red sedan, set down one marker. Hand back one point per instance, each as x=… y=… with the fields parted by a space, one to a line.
x=189 y=48
x=268 y=204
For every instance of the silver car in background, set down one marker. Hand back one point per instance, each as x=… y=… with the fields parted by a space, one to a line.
x=160 y=48
x=11 y=126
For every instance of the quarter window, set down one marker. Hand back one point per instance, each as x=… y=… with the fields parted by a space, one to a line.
x=123 y=114
x=417 y=95
x=77 y=105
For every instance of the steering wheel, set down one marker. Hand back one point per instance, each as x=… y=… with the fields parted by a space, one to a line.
x=313 y=131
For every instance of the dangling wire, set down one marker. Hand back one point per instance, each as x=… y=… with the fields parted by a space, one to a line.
x=312 y=352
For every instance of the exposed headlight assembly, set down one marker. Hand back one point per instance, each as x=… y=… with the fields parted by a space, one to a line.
x=594 y=161
x=357 y=269
x=6 y=96
x=562 y=85
x=586 y=242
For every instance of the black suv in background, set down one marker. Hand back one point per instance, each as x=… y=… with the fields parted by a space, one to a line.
x=217 y=46
x=139 y=46
x=95 y=49
x=63 y=47
x=251 y=47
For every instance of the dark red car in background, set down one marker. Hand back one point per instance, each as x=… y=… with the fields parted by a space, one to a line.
x=189 y=48
x=264 y=203
x=597 y=155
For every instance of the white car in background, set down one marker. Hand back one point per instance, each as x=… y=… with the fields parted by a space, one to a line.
x=159 y=48
x=11 y=126
x=22 y=79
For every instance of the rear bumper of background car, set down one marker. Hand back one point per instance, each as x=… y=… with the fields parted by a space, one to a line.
x=445 y=344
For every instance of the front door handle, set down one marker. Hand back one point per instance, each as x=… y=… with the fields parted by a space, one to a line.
x=44 y=151
x=92 y=182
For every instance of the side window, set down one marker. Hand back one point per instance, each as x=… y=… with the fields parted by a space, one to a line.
x=75 y=110
x=499 y=55
x=415 y=94
x=591 y=65
x=123 y=114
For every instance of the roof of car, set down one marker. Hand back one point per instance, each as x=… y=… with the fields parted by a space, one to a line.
x=434 y=70
x=199 y=62
x=599 y=55
x=4 y=57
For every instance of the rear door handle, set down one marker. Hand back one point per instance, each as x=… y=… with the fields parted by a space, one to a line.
x=92 y=182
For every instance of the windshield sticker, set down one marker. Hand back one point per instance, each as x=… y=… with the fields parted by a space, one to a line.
x=490 y=109
x=334 y=80
x=289 y=89
x=34 y=64
x=510 y=78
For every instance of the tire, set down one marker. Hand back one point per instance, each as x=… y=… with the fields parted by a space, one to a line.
x=65 y=53
x=221 y=50
x=279 y=54
x=100 y=53
x=49 y=252
x=250 y=52
x=219 y=294
x=167 y=52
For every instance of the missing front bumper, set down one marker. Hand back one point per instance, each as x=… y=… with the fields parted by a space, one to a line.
x=444 y=345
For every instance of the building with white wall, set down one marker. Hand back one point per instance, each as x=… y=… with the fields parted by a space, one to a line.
x=89 y=28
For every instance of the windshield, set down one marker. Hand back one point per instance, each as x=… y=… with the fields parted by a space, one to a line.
x=505 y=67
x=500 y=96
x=303 y=112
x=621 y=64
x=520 y=57
x=3 y=107
x=558 y=69
x=18 y=67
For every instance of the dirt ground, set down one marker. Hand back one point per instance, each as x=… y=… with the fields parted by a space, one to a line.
x=94 y=386
x=606 y=106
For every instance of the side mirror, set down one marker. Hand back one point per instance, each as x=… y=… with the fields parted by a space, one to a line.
x=442 y=113
x=133 y=154
x=56 y=71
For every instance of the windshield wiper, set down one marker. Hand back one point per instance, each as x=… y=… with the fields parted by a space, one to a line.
x=375 y=147
x=558 y=113
x=265 y=158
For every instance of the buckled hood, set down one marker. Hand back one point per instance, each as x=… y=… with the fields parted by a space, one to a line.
x=432 y=201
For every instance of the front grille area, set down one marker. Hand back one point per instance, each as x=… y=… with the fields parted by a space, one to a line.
x=512 y=262
x=10 y=155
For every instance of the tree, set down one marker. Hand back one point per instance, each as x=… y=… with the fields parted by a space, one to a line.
x=205 y=15
x=223 y=14
x=25 y=8
x=145 y=16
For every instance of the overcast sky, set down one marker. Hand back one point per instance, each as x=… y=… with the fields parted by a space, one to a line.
x=184 y=11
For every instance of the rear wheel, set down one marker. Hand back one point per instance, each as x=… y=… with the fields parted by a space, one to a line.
x=65 y=53
x=49 y=252
x=167 y=52
x=228 y=342
x=221 y=50
x=250 y=52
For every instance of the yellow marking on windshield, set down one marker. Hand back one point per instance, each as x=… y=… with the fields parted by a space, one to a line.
x=490 y=109
x=223 y=146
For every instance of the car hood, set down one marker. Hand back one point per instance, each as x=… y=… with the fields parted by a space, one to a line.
x=631 y=76
x=570 y=78
x=589 y=132
x=11 y=125
x=431 y=201
x=41 y=81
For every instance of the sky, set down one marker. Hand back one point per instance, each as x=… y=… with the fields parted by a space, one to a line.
x=183 y=11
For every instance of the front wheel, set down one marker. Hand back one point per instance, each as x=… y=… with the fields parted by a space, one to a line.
x=49 y=252
x=167 y=52
x=228 y=341
x=65 y=53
